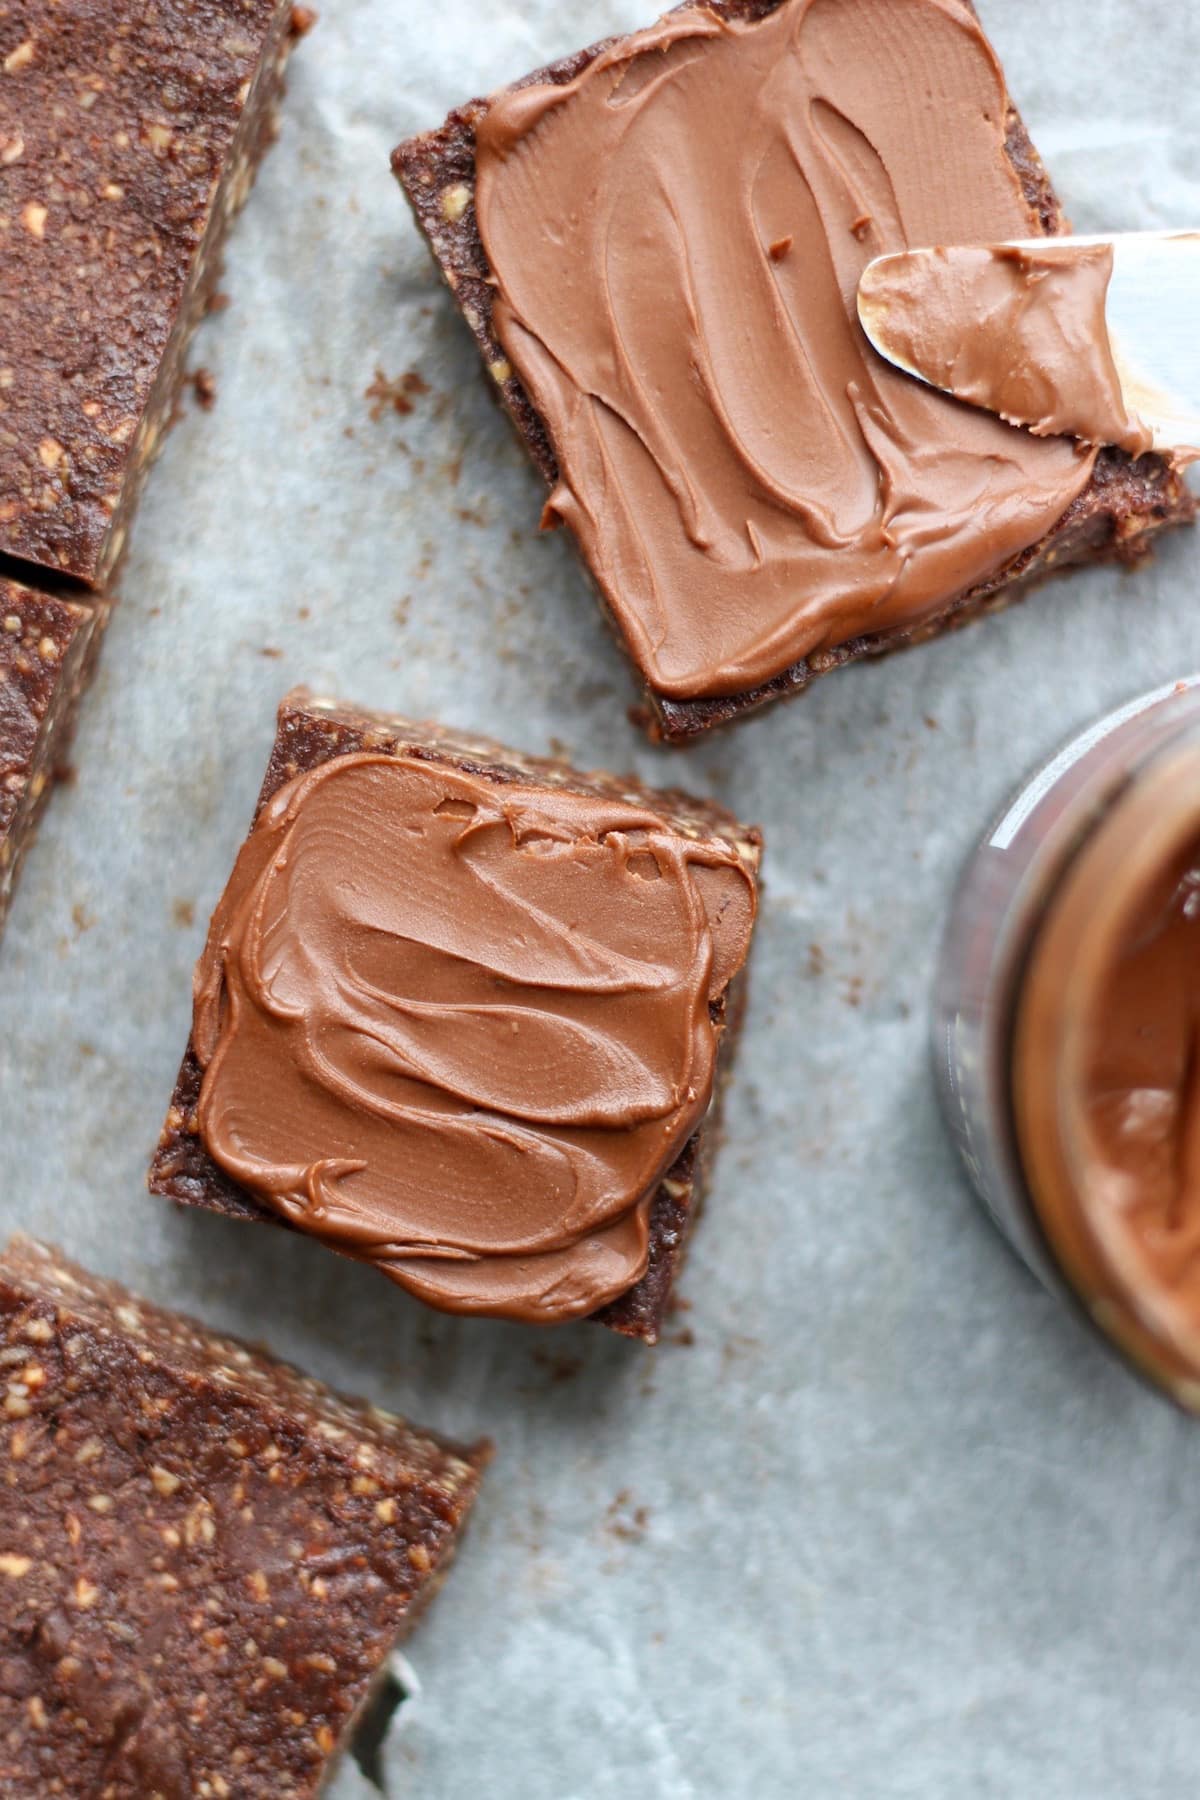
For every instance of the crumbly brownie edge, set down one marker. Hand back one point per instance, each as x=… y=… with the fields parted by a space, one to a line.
x=195 y=1351
x=396 y=1496
x=642 y=1312
x=312 y=731
x=256 y=131
x=52 y=685
x=88 y=548
x=1126 y=505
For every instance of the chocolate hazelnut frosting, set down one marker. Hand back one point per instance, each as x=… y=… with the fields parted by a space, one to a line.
x=1141 y=1098
x=676 y=236
x=1144 y=1078
x=1021 y=330
x=1106 y=1069
x=460 y=1029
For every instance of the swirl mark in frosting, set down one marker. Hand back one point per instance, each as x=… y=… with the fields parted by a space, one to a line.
x=677 y=237
x=460 y=1029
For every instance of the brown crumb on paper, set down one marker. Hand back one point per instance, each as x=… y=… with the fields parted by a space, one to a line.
x=625 y=1521
x=203 y=384
x=399 y=393
x=559 y=1367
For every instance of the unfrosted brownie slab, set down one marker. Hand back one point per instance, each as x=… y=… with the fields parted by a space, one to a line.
x=480 y=1041
x=47 y=646
x=205 y=1556
x=656 y=244
x=129 y=136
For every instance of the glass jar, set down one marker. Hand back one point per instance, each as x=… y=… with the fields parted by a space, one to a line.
x=1067 y=1029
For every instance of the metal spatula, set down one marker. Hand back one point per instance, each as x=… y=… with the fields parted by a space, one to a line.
x=920 y=309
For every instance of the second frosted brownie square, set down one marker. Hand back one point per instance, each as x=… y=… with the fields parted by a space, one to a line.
x=464 y=1014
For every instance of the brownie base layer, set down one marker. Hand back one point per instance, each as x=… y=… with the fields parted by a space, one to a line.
x=205 y=1556
x=1115 y=519
x=71 y=475
x=48 y=648
x=77 y=450
x=313 y=731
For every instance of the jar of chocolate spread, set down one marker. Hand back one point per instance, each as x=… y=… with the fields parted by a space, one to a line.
x=1067 y=1029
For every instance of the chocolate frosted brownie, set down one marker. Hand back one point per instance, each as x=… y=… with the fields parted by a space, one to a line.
x=657 y=244
x=205 y=1557
x=129 y=136
x=464 y=1014
x=46 y=651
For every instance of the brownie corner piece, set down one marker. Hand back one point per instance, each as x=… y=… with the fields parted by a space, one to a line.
x=313 y=733
x=129 y=138
x=47 y=646
x=205 y=1556
x=630 y=518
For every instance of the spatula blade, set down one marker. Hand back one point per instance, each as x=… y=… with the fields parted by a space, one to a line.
x=960 y=319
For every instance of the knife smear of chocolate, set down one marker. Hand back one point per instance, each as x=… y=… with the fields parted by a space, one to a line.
x=1038 y=333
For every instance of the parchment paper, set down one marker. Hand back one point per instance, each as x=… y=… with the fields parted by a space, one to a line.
x=879 y=1522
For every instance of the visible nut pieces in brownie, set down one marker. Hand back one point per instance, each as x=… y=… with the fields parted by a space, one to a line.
x=128 y=137
x=738 y=557
x=609 y=1054
x=45 y=651
x=205 y=1557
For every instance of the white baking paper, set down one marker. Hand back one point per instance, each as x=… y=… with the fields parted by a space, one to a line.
x=877 y=1521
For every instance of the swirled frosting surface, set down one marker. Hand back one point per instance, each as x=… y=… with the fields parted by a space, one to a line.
x=460 y=1029
x=676 y=237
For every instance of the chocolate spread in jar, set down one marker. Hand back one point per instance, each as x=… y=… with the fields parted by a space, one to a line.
x=1106 y=1075
x=461 y=1029
x=676 y=236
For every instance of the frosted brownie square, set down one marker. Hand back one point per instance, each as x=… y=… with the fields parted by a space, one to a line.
x=465 y=1014
x=657 y=244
